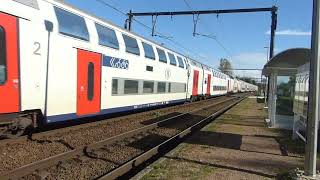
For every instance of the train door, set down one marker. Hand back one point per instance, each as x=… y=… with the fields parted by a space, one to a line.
x=9 y=67
x=88 y=83
x=195 y=83
x=208 y=84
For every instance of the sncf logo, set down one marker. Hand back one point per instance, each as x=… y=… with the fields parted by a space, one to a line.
x=115 y=62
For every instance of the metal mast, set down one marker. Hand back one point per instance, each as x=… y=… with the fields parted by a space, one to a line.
x=313 y=106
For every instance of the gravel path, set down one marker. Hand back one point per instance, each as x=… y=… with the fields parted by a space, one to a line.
x=235 y=146
x=17 y=154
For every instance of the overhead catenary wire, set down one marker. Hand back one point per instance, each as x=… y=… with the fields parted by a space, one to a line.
x=156 y=33
x=275 y=3
x=209 y=29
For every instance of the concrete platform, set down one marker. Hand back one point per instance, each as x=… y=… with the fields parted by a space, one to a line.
x=238 y=145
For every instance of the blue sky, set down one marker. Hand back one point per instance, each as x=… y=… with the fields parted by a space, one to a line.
x=244 y=36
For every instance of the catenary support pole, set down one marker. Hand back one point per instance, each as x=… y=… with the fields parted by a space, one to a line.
x=313 y=108
x=273 y=30
x=274 y=17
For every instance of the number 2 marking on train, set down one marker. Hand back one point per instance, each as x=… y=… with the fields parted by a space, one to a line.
x=37 y=48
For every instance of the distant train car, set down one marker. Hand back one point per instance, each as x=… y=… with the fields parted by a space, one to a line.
x=76 y=65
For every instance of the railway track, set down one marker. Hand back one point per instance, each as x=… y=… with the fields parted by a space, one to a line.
x=115 y=156
x=18 y=153
x=40 y=133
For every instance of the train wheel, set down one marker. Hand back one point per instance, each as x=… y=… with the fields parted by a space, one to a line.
x=17 y=128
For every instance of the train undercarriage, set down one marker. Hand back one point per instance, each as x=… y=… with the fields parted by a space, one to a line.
x=16 y=124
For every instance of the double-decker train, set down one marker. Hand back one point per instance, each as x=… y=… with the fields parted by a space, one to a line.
x=58 y=63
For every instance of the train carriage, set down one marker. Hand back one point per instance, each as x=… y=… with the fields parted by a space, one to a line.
x=58 y=63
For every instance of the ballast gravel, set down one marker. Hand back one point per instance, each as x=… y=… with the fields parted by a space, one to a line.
x=16 y=154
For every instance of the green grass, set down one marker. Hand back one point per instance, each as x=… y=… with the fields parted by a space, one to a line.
x=181 y=169
x=172 y=169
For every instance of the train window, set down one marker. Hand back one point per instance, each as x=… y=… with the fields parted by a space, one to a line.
x=161 y=87
x=114 y=86
x=169 y=87
x=180 y=61
x=90 y=81
x=107 y=37
x=71 y=24
x=3 y=64
x=131 y=45
x=162 y=55
x=148 y=86
x=148 y=51
x=173 y=60
x=131 y=87
x=178 y=87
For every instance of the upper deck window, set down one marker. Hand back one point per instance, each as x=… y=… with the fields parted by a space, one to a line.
x=3 y=64
x=148 y=51
x=173 y=60
x=180 y=61
x=71 y=24
x=162 y=55
x=107 y=37
x=131 y=45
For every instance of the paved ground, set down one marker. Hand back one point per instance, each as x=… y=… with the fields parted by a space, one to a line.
x=236 y=146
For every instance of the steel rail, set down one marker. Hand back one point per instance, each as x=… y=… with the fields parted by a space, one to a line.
x=161 y=148
x=81 y=151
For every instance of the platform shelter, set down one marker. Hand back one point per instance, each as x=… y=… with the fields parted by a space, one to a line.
x=281 y=71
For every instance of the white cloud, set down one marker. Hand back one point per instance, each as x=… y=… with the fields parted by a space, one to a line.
x=291 y=32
